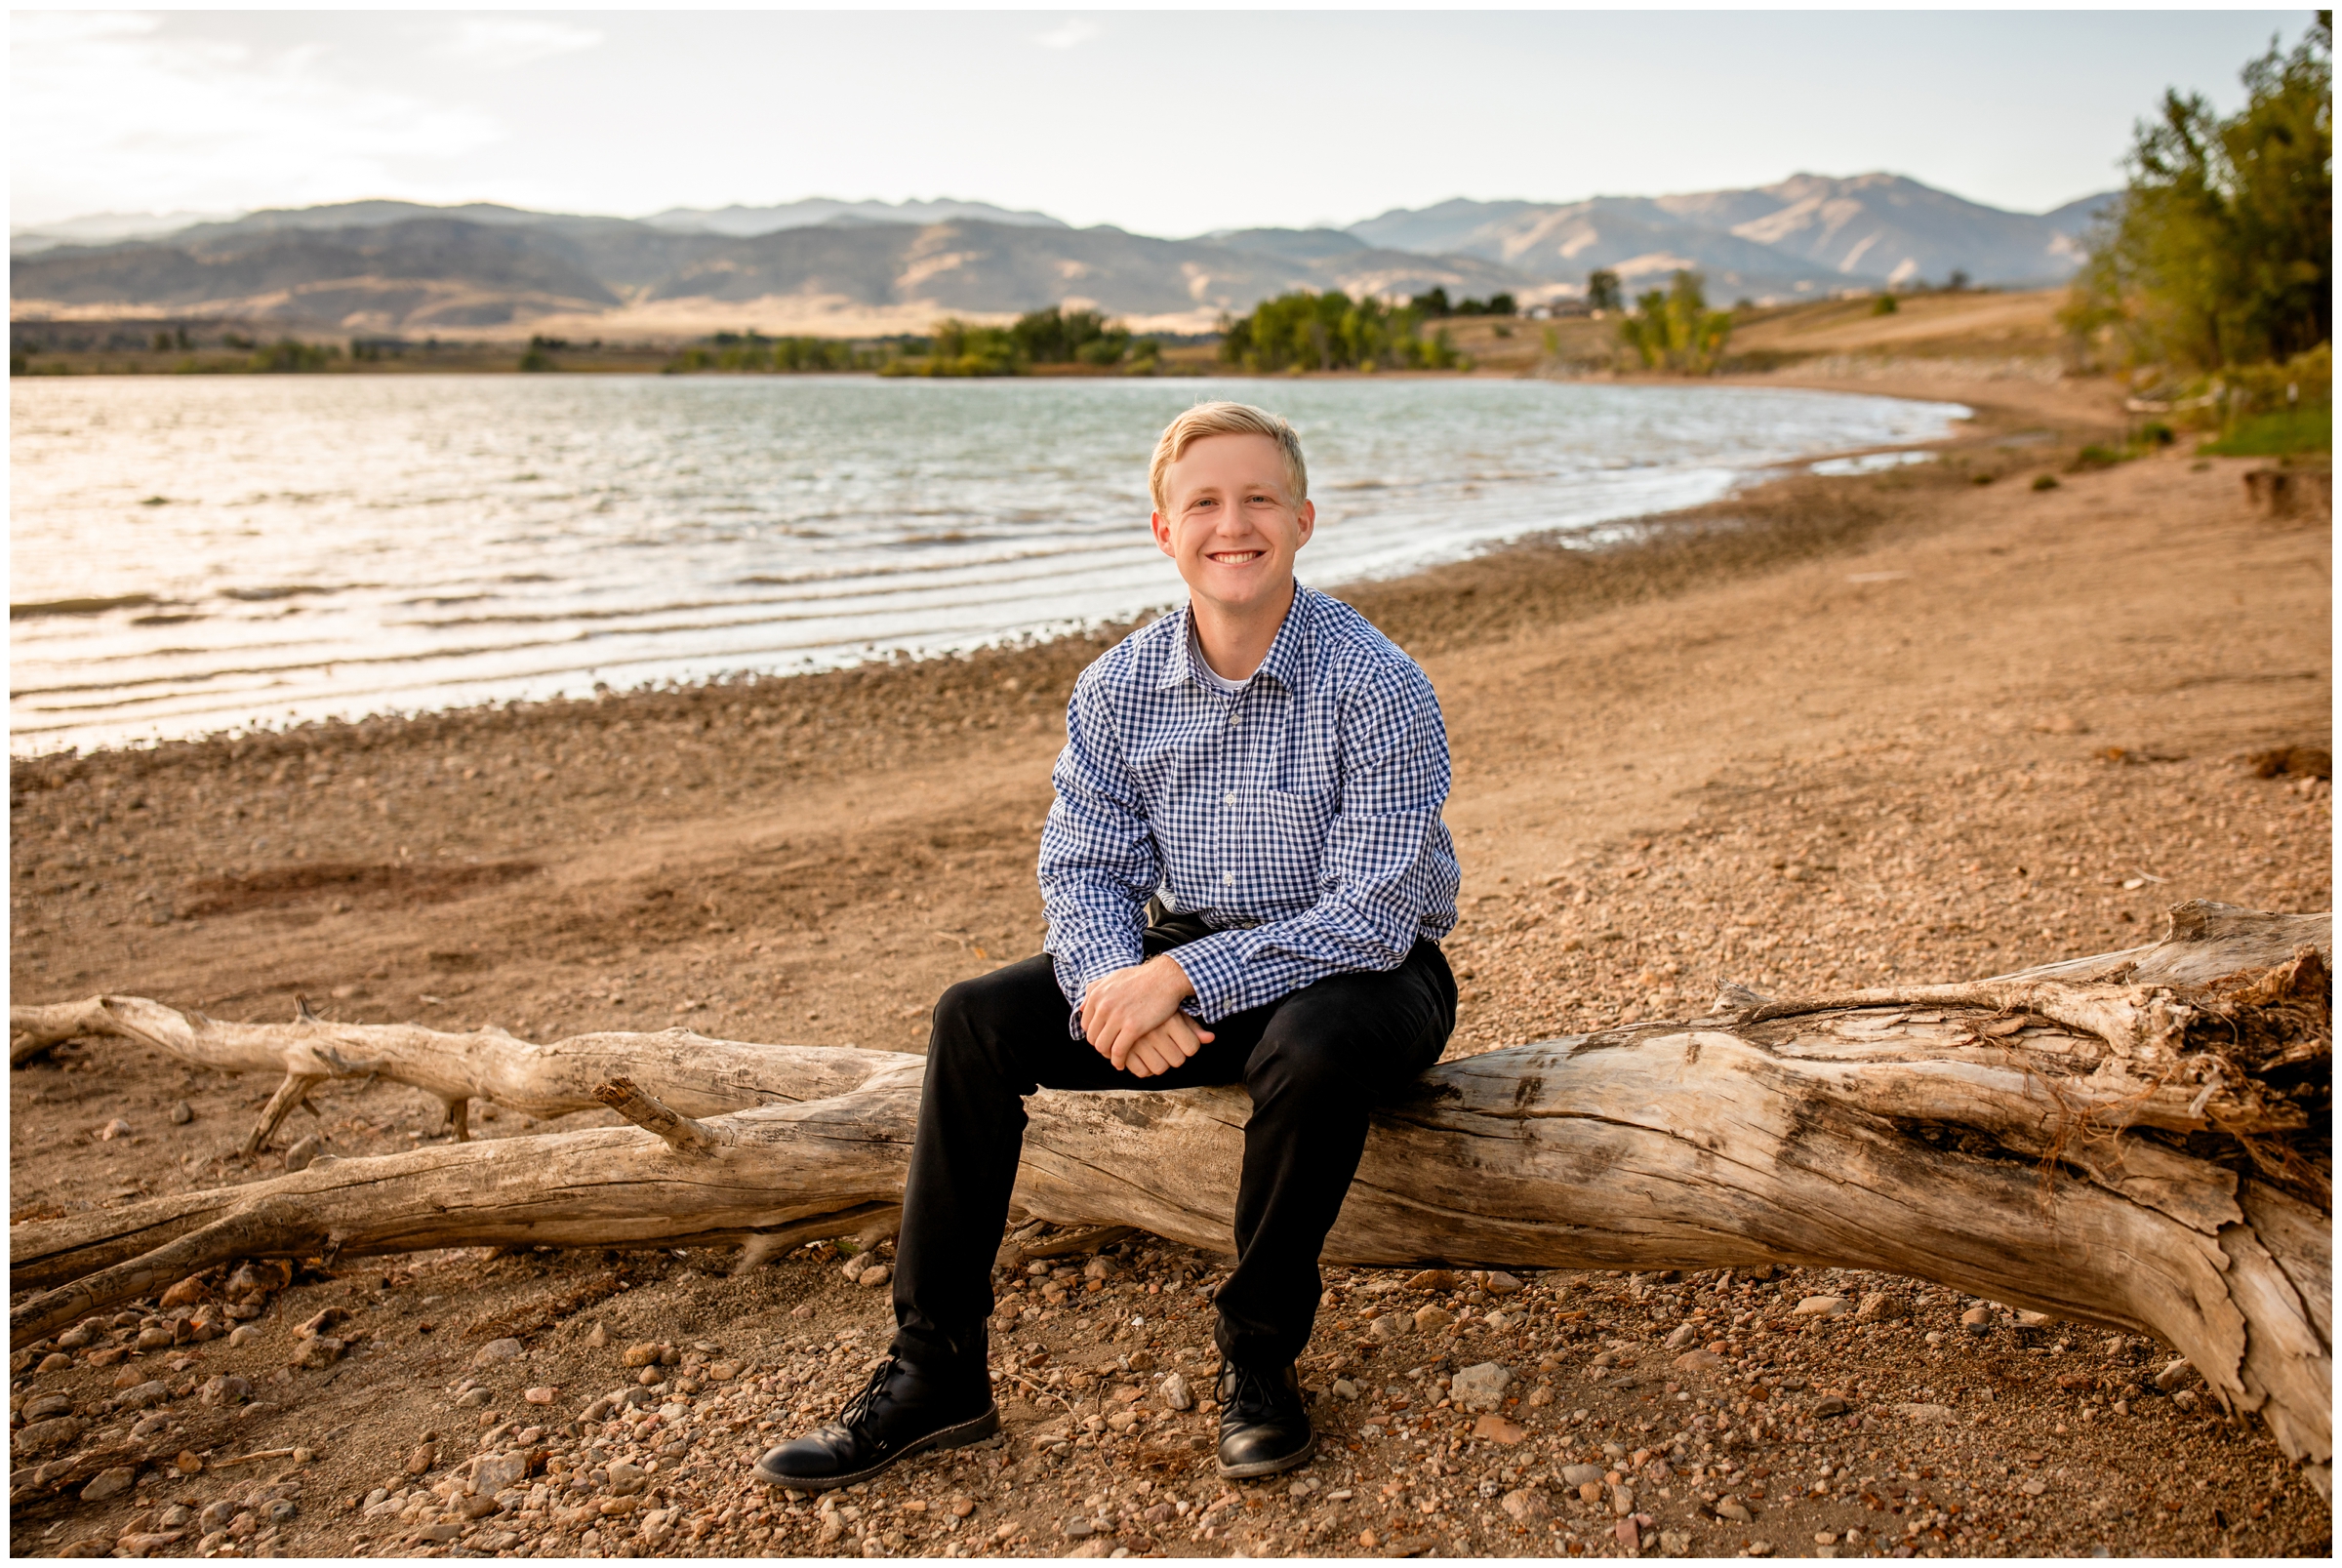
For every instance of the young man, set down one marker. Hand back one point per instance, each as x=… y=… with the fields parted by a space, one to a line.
x=1267 y=764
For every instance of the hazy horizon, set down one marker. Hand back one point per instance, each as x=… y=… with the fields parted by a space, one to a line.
x=631 y=113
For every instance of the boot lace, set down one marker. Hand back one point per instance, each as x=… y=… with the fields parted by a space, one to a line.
x=858 y=1407
x=1245 y=1392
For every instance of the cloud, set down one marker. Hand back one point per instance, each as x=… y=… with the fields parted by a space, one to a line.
x=1071 y=33
x=136 y=112
x=503 y=42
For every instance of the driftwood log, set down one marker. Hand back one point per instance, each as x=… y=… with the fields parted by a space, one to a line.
x=2139 y=1140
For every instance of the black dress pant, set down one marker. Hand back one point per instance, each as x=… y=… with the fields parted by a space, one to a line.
x=1314 y=1062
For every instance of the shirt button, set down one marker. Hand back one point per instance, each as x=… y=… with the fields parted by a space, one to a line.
x=1228 y=799
x=1227 y=878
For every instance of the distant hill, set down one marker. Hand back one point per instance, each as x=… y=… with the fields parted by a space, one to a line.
x=1806 y=234
x=826 y=265
x=747 y=221
x=498 y=271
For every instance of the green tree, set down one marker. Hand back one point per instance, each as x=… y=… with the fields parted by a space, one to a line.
x=1331 y=331
x=1603 y=292
x=2221 y=250
x=1060 y=336
x=1675 y=330
x=290 y=354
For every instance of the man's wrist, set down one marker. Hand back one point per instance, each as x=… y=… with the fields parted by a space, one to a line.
x=1173 y=974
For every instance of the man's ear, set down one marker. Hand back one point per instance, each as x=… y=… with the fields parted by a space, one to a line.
x=1305 y=515
x=1162 y=534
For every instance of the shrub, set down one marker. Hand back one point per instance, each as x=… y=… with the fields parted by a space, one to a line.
x=1884 y=305
x=2278 y=434
x=1675 y=330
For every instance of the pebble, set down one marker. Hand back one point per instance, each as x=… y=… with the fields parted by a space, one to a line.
x=241 y=1335
x=108 y=1483
x=1429 y=1319
x=182 y=1113
x=541 y=1396
x=303 y=1153
x=1481 y=1387
x=1879 y=1307
x=875 y=1276
x=1977 y=1320
x=1344 y=1389
x=45 y=1437
x=142 y=1397
x=1684 y=1335
x=496 y=1350
x=1823 y=1307
x=319 y=1351
x=1176 y=1393
x=1580 y=1475
x=1527 y=1506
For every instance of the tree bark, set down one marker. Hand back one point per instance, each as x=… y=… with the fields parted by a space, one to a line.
x=2137 y=1140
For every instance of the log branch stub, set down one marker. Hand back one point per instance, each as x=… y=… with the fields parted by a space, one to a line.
x=647 y=1111
x=291 y=1092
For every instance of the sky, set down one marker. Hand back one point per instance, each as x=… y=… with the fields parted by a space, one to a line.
x=1161 y=122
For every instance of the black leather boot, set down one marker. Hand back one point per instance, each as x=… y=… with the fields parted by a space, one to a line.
x=1264 y=1425
x=904 y=1410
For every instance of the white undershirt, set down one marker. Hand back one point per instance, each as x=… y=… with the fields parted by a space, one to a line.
x=1205 y=672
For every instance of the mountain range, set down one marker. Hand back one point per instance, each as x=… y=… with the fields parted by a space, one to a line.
x=827 y=265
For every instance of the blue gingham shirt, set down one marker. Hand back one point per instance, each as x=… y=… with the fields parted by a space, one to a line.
x=1300 y=817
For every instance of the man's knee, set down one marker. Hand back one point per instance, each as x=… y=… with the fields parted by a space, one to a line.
x=1011 y=1003
x=1305 y=1063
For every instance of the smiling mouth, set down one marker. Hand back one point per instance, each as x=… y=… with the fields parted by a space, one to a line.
x=1236 y=557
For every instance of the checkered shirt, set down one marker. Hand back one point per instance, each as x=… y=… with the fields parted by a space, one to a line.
x=1300 y=817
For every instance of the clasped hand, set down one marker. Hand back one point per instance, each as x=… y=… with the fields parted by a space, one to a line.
x=1132 y=1017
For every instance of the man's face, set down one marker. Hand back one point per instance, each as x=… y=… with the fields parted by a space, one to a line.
x=1231 y=528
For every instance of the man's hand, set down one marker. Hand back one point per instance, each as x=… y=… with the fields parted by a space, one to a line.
x=1125 y=1007
x=1160 y=1050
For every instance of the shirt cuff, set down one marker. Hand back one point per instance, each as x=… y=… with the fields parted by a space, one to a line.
x=1215 y=966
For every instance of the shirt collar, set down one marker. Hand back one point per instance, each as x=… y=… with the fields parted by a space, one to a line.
x=1281 y=661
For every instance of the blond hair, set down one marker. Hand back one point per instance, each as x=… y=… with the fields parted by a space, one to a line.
x=1227 y=419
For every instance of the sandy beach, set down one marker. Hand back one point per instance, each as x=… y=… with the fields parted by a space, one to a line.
x=1929 y=724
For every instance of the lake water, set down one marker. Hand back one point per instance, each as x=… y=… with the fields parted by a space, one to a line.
x=199 y=554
